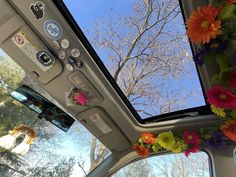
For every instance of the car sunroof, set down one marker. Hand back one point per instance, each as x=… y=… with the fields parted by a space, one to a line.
x=144 y=46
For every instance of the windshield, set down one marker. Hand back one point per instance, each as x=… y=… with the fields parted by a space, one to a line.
x=144 y=46
x=53 y=153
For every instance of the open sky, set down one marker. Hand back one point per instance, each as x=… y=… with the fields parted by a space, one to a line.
x=86 y=12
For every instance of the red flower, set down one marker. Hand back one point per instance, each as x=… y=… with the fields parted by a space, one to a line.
x=193 y=149
x=221 y=98
x=202 y=26
x=141 y=150
x=191 y=137
x=229 y=129
x=232 y=80
x=148 y=138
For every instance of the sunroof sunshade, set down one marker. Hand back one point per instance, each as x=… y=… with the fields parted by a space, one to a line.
x=144 y=46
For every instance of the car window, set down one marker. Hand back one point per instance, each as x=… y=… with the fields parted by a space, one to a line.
x=172 y=165
x=144 y=46
x=53 y=153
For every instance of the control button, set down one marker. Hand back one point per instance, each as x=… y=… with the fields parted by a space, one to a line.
x=78 y=82
x=62 y=55
x=45 y=57
x=84 y=86
x=65 y=43
x=34 y=75
x=69 y=67
x=75 y=53
x=76 y=77
x=71 y=60
x=56 y=45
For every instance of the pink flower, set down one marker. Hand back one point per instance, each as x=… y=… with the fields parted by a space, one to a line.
x=80 y=98
x=221 y=98
x=193 y=149
x=232 y=80
x=191 y=137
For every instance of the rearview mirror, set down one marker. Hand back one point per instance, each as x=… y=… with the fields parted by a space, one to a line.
x=43 y=107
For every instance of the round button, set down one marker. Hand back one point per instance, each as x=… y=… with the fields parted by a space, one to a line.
x=69 y=67
x=75 y=53
x=62 y=55
x=65 y=43
x=56 y=44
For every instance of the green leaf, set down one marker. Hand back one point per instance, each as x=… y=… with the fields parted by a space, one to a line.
x=233 y=114
x=222 y=61
x=233 y=36
x=227 y=12
x=185 y=147
x=210 y=58
x=218 y=3
x=156 y=147
x=215 y=79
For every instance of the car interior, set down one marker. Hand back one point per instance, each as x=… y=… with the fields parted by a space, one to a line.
x=81 y=82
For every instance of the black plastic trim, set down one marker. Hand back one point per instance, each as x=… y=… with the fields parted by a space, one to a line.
x=203 y=110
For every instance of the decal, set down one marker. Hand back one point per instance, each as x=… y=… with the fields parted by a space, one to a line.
x=69 y=67
x=75 y=53
x=27 y=47
x=53 y=29
x=19 y=40
x=100 y=123
x=62 y=55
x=71 y=60
x=38 y=9
x=65 y=43
x=56 y=44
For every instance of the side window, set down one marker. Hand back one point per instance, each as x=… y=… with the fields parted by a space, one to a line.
x=172 y=165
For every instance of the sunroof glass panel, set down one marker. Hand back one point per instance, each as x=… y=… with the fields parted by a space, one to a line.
x=144 y=46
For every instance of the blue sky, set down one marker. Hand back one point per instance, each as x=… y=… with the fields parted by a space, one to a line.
x=86 y=12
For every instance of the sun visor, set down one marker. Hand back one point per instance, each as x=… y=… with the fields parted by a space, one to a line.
x=97 y=121
x=25 y=47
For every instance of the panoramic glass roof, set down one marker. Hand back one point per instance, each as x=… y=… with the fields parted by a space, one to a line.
x=144 y=46
x=54 y=152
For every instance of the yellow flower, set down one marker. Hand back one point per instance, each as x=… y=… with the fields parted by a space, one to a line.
x=178 y=146
x=166 y=140
x=218 y=111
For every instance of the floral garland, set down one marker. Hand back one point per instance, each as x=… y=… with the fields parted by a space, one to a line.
x=213 y=27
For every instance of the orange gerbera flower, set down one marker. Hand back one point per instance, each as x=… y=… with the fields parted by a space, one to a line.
x=202 y=26
x=148 y=138
x=141 y=150
x=229 y=129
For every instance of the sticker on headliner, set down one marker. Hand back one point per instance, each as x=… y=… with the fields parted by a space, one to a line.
x=100 y=123
x=38 y=9
x=28 y=48
x=53 y=29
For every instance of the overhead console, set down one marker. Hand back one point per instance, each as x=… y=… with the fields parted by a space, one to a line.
x=25 y=47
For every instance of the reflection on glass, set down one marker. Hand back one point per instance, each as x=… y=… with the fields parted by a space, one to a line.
x=27 y=101
x=43 y=107
x=171 y=165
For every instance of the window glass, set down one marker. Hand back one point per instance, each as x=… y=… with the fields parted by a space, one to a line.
x=54 y=152
x=143 y=44
x=173 y=165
